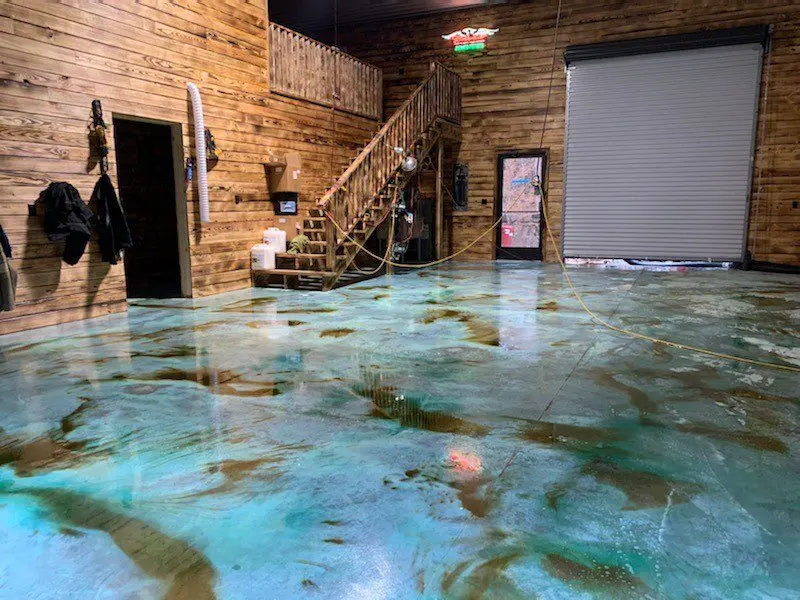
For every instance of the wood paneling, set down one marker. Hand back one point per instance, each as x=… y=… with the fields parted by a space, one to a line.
x=505 y=94
x=136 y=57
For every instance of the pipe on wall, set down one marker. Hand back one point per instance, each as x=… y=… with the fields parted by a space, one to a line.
x=200 y=151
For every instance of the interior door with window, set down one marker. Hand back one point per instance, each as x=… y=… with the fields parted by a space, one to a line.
x=519 y=235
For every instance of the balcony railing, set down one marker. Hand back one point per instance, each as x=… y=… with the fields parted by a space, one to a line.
x=309 y=70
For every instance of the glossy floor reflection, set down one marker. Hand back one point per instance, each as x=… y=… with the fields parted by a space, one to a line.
x=456 y=433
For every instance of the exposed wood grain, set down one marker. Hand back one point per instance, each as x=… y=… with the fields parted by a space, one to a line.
x=505 y=93
x=136 y=57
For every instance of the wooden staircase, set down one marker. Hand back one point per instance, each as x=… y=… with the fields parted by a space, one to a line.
x=351 y=210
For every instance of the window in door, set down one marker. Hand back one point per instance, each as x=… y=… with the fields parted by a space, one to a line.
x=519 y=235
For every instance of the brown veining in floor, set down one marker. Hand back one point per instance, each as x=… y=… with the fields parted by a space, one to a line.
x=336 y=333
x=642 y=488
x=480 y=331
x=49 y=452
x=448 y=300
x=73 y=420
x=253 y=305
x=743 y=438
x=425 y=274
x=175 y=352
x=487 y=579
x=52 y=451
x=638 y=398
x=220 y=382
x=549 y=433
x=369 y=288
x=236 y=471
x=606 y=579
x=305 y=311
x=554 y=494
x=552 y=305
x=186 y=571
x=475 y=495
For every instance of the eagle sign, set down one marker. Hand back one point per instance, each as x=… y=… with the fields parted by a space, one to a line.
x=470 y=39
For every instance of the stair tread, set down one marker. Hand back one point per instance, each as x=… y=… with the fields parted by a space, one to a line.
x=299 y=272
x=322 y=242
x=299 y=255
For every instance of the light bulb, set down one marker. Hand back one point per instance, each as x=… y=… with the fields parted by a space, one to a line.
x=409 y=163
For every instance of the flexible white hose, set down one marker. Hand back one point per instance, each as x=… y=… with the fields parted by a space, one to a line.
x=200 y=151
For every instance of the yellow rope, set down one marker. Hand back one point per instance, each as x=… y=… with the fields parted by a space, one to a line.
x=592 y=314
x=389 y=243
x=414 y=266
x=578 y=297
x=642 y=336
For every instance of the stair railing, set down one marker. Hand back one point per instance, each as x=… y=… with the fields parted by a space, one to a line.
x=437 y=97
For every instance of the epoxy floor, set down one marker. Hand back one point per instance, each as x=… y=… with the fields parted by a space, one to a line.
x=464 y=432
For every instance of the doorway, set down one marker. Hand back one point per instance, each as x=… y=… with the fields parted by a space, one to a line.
x=519 y=236
x=149 y=171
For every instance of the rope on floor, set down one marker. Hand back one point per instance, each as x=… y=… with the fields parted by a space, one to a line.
x=599 y=320
x=594 y=316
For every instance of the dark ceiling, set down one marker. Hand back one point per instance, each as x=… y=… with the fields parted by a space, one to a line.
x=316 y=18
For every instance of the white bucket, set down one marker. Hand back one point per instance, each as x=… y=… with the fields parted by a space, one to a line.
x=262 y=257
x=276 y=238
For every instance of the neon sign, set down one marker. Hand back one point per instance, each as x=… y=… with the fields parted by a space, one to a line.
x=470 y=39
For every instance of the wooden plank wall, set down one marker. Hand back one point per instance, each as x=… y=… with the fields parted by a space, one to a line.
x=505 y=91
x=136 y=57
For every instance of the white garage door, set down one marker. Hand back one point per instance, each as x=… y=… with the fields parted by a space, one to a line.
x=659 y=153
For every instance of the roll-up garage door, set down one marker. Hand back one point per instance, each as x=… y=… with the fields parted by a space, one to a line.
x=659 y=153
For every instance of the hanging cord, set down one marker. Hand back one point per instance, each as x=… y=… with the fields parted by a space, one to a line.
x=335 y=96
x=516 y=200
x=759 y=187
x=599 y=320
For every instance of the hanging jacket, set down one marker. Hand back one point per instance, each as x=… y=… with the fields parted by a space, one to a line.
x=111 y=222
x=66 y=217
x=8 y=281
x=4 y=243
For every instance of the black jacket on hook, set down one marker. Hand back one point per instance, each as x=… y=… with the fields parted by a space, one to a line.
x=4 y=243
x=66 y=217
x=8 y=276
x=111 y=222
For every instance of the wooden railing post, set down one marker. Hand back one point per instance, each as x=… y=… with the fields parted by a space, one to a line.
x=439 y=199
x=330 y=245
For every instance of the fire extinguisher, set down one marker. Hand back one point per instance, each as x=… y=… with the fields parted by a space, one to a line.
x=507 y=234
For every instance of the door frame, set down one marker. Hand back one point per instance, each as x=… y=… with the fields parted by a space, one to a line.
x=517 y=253
x=181 y=209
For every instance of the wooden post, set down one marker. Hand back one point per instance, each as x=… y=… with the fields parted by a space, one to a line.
x=439 y=199
x=330 y=245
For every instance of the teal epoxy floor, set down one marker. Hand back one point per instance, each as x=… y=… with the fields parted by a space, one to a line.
x=393 y=440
